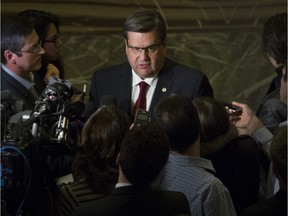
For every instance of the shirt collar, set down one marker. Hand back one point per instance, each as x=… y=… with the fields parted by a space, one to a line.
x=136 y=79
x=122 y=185
x=194 y=161
x=27 y=84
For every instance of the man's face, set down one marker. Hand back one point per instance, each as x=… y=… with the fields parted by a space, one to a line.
x=146 y=54
x=31 y=52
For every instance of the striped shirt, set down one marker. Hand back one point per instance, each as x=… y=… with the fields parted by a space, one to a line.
x=194 y=176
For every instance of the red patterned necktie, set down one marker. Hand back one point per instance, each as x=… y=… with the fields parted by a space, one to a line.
x=141 y=101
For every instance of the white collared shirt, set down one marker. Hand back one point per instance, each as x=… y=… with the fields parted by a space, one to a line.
x=151 y=81
x=122 y=185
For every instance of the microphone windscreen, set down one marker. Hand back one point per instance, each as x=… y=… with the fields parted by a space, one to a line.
x=108 y=100
x=6 y=95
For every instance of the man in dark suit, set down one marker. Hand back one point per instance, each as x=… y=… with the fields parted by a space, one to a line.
x=143 y=153
x=276 y=204
x=21 y=54
x=272 y=111
x=145 y=41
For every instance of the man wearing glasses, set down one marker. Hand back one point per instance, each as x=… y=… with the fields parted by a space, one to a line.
x=145 y=41
x=47 y=26
x=21 y=54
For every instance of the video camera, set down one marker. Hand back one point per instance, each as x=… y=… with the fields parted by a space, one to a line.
x=50 y=117
x=37 y=137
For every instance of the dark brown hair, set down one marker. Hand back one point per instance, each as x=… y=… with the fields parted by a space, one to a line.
x=145 y=20
x=274 y=38
x=213 y=117
x=178 y=117
x=100 y=144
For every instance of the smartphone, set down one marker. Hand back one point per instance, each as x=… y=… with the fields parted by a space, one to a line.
x=142 y=116
x=232 y=107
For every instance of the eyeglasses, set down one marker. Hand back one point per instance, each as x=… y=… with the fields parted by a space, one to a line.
x=149 y=49
x=36 y=49
x=57 y=41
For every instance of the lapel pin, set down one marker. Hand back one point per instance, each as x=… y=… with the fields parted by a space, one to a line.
x=164 y=89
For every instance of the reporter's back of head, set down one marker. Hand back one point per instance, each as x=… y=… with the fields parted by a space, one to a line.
x=100 y=144
x=143 y=154
x=179 y=118
x=213 y=117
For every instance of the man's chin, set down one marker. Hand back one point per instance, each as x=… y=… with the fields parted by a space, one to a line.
x=146 y=73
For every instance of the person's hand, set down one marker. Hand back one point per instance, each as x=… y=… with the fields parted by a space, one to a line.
x=52 y=71
x=131 y=126
x=245 y=121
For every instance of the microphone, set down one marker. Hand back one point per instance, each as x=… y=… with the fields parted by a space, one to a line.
x=23 y=116
x=108 y=100
x=6 y=95
x=73 y=112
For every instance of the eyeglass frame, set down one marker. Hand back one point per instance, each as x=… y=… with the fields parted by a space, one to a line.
x=138 y=50
x=57 y=41
x=35 y=50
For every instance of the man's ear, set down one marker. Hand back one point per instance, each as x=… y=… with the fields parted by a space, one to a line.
x=117 y=159
x=9 y=56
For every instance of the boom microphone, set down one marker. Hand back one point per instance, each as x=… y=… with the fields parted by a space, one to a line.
x=108 y=100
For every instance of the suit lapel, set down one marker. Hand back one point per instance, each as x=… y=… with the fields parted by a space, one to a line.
x=164 y=84
x=123 y=88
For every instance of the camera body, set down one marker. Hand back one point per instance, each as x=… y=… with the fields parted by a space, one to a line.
x=37 y=145
x=232 y=107
x=142 y=116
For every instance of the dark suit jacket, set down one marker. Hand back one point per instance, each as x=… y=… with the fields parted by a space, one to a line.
x=18 y=91
x=237 y=165
x=275 y=205
x=172 y=79
x=272 y=111
x=129 y=200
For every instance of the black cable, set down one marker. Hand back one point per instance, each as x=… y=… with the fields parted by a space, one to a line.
x=29 y=172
